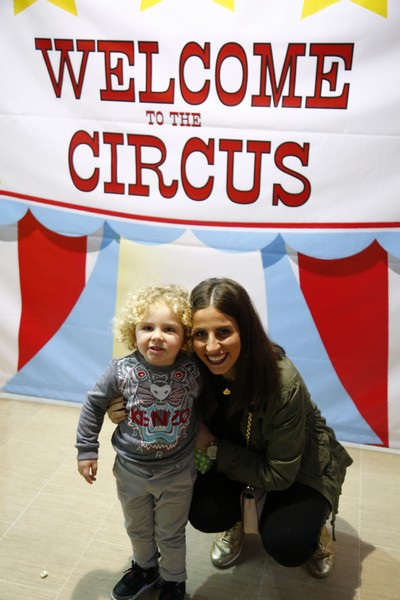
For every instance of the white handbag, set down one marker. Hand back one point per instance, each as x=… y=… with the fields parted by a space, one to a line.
x=252 y=504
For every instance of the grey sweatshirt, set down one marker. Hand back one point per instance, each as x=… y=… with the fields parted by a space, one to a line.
x=161 y=424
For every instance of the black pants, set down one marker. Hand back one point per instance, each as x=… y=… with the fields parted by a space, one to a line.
x=290 y=523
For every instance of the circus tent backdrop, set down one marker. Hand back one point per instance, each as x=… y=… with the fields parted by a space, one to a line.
x=173 y=140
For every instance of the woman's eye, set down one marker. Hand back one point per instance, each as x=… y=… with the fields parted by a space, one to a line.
x=223 y=333
x=199 y=335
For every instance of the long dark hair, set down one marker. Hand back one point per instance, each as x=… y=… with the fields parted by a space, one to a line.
x=256 y=371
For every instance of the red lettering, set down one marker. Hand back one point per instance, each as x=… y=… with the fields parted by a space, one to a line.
x=279 y=193
x=113 y=186
x=118 y=143
x=137 y=417
x=180 y=416
x=321 y=51
x=149 y=95
x=185 y=414
x=65 y=47
x=267 y=66
x=228 y=51
x=110 y=48
x=274 y=88
x=189 y=51
x=78 y=139
x=139 y=189
x=233 y=146
x=197 y=145
x=160 y=418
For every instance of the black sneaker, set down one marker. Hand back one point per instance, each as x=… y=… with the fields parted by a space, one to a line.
x=172 y=590
x=135 y=581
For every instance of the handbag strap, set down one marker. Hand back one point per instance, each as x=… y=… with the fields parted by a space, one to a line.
x=248 y=428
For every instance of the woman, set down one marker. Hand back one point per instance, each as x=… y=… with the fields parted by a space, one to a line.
x=260 y=427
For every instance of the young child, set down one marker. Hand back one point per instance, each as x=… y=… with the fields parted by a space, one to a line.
x=154 y=466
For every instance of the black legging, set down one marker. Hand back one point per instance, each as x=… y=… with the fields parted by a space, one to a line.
x=290 y=523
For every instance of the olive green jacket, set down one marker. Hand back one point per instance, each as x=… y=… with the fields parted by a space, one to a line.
x=288 y=440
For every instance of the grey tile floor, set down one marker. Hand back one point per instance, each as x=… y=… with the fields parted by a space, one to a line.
x=51 y=520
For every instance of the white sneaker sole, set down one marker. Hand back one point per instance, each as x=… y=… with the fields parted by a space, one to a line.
x=228 y=562
x=143 y=589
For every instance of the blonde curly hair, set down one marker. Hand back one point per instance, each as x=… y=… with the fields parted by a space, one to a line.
x=176 y=297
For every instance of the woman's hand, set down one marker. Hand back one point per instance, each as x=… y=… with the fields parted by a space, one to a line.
x=117 y=410
x=204 y=438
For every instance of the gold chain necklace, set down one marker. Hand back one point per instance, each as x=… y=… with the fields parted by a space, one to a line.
x=248 y=428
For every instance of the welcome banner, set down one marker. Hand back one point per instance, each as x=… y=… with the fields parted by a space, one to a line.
x=173 y=140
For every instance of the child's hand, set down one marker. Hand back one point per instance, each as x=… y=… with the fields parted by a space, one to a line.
x=88 y=469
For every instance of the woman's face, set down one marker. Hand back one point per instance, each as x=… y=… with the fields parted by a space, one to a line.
x=216 y=340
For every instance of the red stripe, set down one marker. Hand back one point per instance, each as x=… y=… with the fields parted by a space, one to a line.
x=199 y=223
x=348 y=299
x=52 y=276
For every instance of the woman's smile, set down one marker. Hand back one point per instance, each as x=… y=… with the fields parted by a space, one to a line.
x=217 y=359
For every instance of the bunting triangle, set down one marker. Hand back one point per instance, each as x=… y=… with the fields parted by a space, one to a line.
x=20 y=5
x=68 y=5
x=145 y=4
x=229 y=4
x=310 y=7
x=377 y=6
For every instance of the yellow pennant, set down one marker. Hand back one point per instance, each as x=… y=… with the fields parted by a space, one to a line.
x=377 y=6
x=229 y=4
x=145 y=4
x=310 y=7
x=20 y=5
x=68 y=5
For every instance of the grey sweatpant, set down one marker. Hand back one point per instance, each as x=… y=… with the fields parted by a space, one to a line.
x=155 y=503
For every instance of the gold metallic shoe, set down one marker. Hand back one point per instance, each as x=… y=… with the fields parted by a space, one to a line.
x=227 y=546
x=321 y=564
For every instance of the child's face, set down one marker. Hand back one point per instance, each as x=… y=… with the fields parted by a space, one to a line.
x=160 y=335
